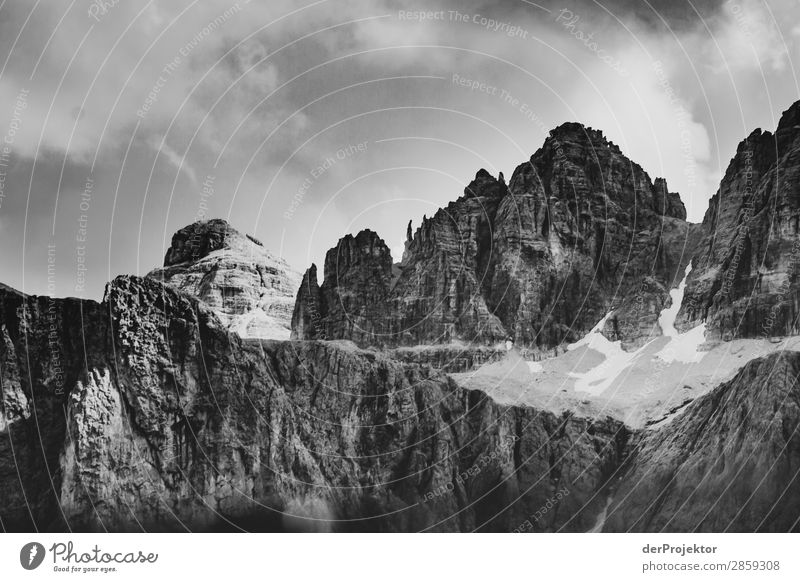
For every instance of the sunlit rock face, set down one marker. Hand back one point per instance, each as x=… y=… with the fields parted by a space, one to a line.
x=251 y=290
x=579 y=231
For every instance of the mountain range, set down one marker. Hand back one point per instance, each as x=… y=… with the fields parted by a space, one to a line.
x=559 y=352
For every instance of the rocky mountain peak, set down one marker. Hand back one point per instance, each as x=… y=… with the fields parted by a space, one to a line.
x=350 y=303
x=579 y=166
x=575 y=132
x=539 y=259
x=199 y=239
x=251 y=290
x=667 y=203
x=486 y=185
x=366 y=250
x=746 y=284
x=788 y=132
x=790 y=119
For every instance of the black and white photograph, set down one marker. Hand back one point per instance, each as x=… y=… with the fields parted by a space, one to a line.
x=278 y=268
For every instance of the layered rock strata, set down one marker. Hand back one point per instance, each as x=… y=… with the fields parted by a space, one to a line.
x=251 y=290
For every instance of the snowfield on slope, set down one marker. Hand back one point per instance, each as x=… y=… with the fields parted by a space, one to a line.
x=596 y=377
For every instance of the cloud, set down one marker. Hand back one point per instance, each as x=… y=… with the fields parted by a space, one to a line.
x=258 y=94
x=748 y=37
x=173 y=157
x=87 y=85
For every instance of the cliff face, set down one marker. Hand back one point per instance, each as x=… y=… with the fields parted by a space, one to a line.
x=579 y=231
x=252 y=291
x=433 y=296
x=41 y=357
x=186 y=426
x=584 y=232
x=729 y=462
x=745 y=279
x=438 y=296
x=352 y=298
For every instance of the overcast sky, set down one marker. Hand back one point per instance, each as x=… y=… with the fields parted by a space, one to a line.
x=309 y=120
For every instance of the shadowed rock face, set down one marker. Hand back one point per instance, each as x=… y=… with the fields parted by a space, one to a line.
x=41 y=357
x=251 y=290
x=745 y=278
x=730 y=462
x=584 y=232
x=433 y=296
x=358 y=274
x=186 y=426
x=579 y=231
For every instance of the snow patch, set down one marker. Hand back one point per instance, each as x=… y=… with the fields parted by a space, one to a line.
x=666 y=319
x=590 y=337
x=599 y=378
x=681 y=347
x=685 y=347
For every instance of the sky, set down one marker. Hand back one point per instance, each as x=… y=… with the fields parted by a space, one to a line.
x=300 y=122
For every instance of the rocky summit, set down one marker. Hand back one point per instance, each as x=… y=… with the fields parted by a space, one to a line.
x=579 y=231
x=561 y=352
x=251 y=290
x=747 y=269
